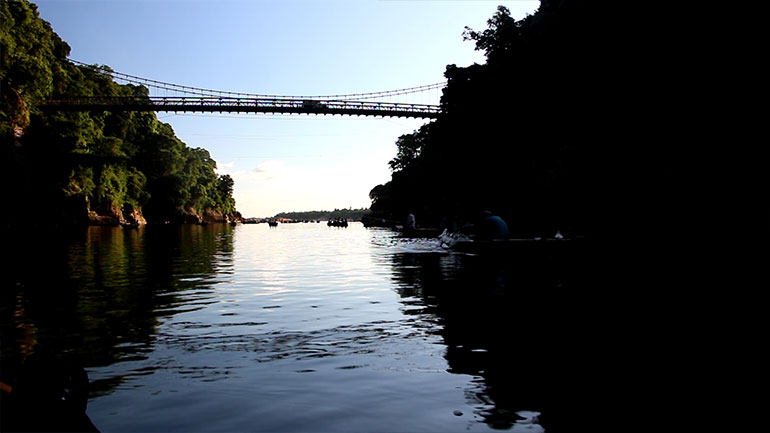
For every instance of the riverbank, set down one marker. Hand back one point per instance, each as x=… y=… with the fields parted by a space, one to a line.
x=114 y=217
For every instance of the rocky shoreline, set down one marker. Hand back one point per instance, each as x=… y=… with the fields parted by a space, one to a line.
x=130 y=216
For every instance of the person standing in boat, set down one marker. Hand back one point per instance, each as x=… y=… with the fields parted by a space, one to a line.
x=410 y=222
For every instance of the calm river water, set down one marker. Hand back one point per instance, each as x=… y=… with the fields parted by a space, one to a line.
x=302 y=327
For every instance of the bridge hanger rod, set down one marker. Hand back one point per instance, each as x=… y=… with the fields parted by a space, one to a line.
x=214 y=94
x=210 y=92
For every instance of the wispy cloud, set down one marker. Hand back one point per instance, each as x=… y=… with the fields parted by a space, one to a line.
x=225 y=167
x=268 y=170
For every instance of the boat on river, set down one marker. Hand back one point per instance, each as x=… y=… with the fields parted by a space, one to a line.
x=272 y=223
x=338 y=222
x=507 y=246
x=468 y=244
x=369 y=221
x=420 y=232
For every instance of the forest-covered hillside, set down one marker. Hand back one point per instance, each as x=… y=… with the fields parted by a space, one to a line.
x=518 y=134
x=573 y=123
x=90 y=167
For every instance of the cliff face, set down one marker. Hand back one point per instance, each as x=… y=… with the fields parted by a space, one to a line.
x=80 y=213
x=133 y=215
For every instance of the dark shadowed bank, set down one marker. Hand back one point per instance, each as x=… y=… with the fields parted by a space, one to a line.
x=539 y=134
x=587 y=118
x=608 y=121
x=90 y=167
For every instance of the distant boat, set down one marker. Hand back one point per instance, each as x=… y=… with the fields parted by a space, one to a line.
x=272 y=223
x=337 y=223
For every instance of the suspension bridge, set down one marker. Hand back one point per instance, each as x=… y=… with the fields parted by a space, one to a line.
x=194 y=99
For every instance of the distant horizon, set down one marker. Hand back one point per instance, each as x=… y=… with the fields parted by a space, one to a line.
x=323 y=211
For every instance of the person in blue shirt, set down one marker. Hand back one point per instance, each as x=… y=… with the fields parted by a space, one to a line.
x=492 y=227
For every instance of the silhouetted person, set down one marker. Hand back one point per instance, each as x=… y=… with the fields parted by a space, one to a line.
x=410 y=222
x=491 y=227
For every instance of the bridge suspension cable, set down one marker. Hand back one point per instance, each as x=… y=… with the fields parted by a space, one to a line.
x=198 y=91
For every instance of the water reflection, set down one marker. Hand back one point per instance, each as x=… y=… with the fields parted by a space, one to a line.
x=504 y=321
x=97 y=294
x=299 y=328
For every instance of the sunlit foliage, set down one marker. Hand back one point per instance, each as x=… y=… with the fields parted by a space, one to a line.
x=75 y=163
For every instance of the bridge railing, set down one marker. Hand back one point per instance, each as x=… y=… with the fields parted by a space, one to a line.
x=238 y=104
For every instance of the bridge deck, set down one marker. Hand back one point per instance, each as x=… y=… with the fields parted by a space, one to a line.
x=244 y=105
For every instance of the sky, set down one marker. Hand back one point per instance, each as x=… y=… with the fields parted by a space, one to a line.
x=283 y=163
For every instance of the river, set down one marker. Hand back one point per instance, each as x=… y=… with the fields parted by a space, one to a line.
x=302 y=327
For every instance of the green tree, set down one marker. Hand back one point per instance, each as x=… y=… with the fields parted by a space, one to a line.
x=81 y=161
x=501 y=38
x=224 y=190
x=29 y=48
x=409 y=148
x=515 y=135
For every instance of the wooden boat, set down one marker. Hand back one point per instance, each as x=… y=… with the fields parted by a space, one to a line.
x=420 y=232
x=467 y=244
x=508 y=246
x=369 y=221
x=272 y=223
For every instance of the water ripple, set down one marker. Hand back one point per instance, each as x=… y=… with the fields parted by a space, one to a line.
x=296 y=328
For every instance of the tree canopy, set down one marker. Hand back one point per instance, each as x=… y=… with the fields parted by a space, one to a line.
x=73 y=164
x=517 y=135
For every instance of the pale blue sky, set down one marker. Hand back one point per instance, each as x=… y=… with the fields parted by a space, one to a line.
x=285 y=47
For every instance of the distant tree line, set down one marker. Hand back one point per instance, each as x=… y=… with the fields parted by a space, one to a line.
x=69 y=165
x=350 y=214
